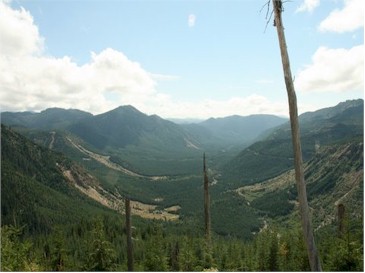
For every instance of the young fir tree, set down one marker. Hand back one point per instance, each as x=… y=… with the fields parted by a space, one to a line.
x=100 y=253
x=15 y=255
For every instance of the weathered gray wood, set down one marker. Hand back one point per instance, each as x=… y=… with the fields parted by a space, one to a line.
x=129 y=234
x=341 y=219
x=298 y=161
x=206 y=203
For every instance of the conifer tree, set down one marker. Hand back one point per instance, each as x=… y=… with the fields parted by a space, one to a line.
x=15 y=254
x=101 y=255
x=273 y=253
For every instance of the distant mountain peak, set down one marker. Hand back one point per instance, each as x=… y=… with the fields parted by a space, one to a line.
x=52 y=109
x=62 y=110
x=126 y=109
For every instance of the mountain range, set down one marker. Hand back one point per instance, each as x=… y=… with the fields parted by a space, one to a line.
x=159 y=163
x=341 y=123
x=147 y=144
x=126 y=125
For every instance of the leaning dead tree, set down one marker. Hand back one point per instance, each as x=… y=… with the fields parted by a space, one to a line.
x=129 y=234
x=298 y=160
x=206 y=203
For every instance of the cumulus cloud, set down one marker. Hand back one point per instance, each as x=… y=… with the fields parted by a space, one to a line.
x=34 y=83
x=19 y=35
x=191 y=20
x=31 y=80
x=308 y=5
x=333 y=70
x=350 y=18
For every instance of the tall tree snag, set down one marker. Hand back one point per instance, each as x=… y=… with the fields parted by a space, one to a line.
x=206 y=203
x=129 y=234
x=298 y=161
x=341 y=219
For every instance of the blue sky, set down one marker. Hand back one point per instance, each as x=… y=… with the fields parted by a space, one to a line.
x=181 y=59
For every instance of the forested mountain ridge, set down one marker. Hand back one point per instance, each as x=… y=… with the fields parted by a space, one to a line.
x=50 y=187
x=146 y=144
x=341 y=123
x=333 y=176
x=237 y=130
x=62 y=238
x=338 y=180
x=36 y=188
x=56 y=236
x=51 y=118
x=335 y=181
x=327 y=113
x=125 y=126
x=28 y=165
x=260 y=161
x=234 y=129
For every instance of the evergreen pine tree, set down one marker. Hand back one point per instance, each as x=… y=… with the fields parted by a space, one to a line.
x=100 y=253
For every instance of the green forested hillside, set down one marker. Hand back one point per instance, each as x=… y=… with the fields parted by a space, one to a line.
x=125 y=126
x=274 y=154
x=235 y=131
x=34 y=190
x=48 y=223
x=51 y=118
x=333 y=176
x=49 y=226
x=145 y=144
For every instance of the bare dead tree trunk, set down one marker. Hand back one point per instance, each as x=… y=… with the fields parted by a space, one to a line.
x=298 y=161
x=129 y=234
x=341 y=219
x=206 y=203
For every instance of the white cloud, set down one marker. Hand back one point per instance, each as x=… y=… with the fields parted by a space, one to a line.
x=308 y=5
x=34 y=82
x=333 y=70
x=19 y=35
x=30 y=80
x=191 y=20
x=350 y=18
x=253 y=104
